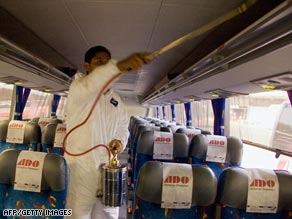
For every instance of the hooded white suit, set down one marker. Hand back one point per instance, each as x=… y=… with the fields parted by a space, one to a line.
x=108 y=121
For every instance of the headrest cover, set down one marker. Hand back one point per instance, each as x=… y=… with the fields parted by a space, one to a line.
x=146 y=143
x=199 y=147
x=54 y=170
x=149 y=184
x=177 y=186
x=233 y=188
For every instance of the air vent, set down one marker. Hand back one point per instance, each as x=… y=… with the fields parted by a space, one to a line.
x=281 y=81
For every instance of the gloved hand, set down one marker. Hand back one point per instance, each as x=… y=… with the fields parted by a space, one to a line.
x=135 y=61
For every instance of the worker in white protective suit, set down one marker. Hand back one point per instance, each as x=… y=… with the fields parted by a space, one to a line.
x=108 y=124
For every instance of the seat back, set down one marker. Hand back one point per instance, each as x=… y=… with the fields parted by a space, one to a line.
x=175 y=127
x=52 y=138
x=233 y=195
x=31 y=138
x=42 y=122
x=149 y=192
x=190 y=132
x=53 y=184
x=145 y=148
x=198 y=153
x=3 y=134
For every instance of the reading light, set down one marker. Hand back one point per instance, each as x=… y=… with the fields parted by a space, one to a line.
x=18 y=82
x=268 y=87
x=215 y=95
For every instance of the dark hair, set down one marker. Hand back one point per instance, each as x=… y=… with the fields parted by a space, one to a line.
x=93 y=50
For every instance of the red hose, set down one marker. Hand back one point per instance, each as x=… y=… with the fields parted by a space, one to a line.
x=85 y=120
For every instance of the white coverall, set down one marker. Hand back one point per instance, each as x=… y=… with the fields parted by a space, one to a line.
x=108 y=121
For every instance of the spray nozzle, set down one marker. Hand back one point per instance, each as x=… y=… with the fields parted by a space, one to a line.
x=115 y=147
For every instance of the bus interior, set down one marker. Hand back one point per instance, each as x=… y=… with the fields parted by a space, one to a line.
x=233 y=54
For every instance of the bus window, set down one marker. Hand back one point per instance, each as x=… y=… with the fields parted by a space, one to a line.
x=254 y=157
x=180 y=114
x=283 y=133
x=202 y=115
x=6 y=91
x=265 y=119
x=61 y=110
x=38 y=105
x=254 y=117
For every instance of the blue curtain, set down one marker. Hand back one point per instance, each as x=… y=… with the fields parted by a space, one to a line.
x=163 y=113
x=21 y=99
x=25 y=97
x=218 y=106
x=18 y=104
x=289 y=92
x=172 y=106
x=188 y=111
x=157 y=113
x=55 y=105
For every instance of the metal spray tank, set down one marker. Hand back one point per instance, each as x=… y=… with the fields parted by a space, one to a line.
x=114 y=180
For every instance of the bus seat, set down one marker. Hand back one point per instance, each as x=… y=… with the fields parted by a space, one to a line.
x=198 y=153
x=133 y=129
x=3 y=133
x=147 y=202
x=35 y=119
x=165 y=129
x=205 y=132
x=43 y=121
x=140 y=129
x=232 y=195
x=190 y=132
x=31 y=139
x=53 y=184
x=145 y=146
x=48 y=139
x=175 y=127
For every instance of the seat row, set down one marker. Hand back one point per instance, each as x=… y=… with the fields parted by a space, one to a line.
x=32 y=135
x=32 y=181
x=217 y=152
x=193 y=191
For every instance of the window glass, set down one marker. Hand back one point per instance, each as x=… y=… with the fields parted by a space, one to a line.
x=254 y=157
x=256 y=118
x=202 y=115
x=180 y=113
x=61 y=110
x=282 y=138
x=6 y=91
x=38 y=105
x=168 y=112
